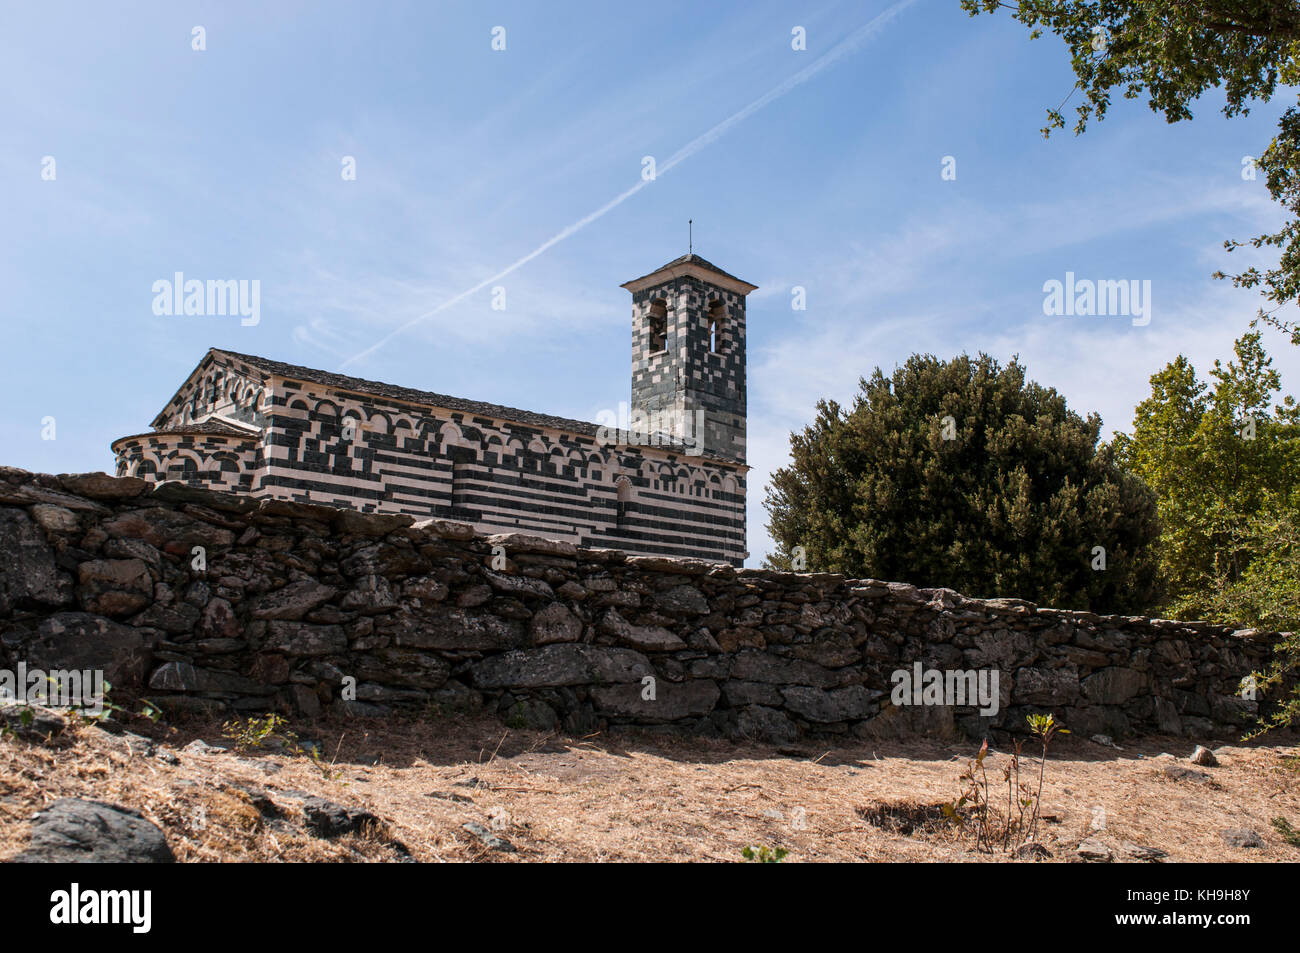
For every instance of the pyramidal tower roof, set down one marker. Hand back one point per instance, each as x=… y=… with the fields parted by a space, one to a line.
x=690 y=265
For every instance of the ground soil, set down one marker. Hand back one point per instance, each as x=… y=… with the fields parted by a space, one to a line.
x=640 y=796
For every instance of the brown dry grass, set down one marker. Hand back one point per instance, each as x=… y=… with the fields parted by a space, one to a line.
x=633 y=796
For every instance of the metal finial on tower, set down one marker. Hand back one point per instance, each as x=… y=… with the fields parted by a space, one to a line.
x=690 y=236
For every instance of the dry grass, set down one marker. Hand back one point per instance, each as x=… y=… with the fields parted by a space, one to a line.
x=634 y=796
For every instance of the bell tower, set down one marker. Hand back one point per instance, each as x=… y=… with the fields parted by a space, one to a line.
x=688 y=352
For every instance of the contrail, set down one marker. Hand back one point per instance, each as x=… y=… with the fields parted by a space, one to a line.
x=846 y=46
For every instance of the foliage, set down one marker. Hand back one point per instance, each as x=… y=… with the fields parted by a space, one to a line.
x=1222 y=463
x=765 y=854
x=1174 y=51
x=974 y=809
x=256 y=732
x=1012 y=505
x=1287 y=830
x=1223 y=459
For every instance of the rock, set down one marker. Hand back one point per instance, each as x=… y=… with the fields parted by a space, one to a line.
x=55 y=520
x=28 y=574
x=683 y=567
x=572 y=591
x=170 y=531
x=555 y=623
x=757 y=666
x=443 y=529
x=671 y=701
x=522 y=586
x=349 y=522
x=520 y=543
x=1241 y=837
x=198 y=746
x=1033 y=851
x=1138 y=852
x=79 y=640
x=651 y=638
x=385 y=559
x=77 y=831
x=487 y=838
x=1175 y=773
x=909 y=721
x=402 y=666
x=1168 y=720
x=1092 y=849
x=177 y=619
x=305 y=639
x=1003 y=649
x=553 y=666
x=453 y=629
x=1113 y=686
x=428 y=589
x=32 y=722
x=114 y=587
x=101 y=486
x=532 y=713
x=1042 y=686
x=760 y=723
x=293 y=601
x=327 y=819
x=219 y=622
x=184 y=677
x=372 y=595
x=34 y=493
x=739 y=693
x=682 y=600
x=843 y=704
x=1204 y=757
x=474 y=596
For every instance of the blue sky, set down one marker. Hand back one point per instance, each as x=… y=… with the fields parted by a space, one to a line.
x=816 y=168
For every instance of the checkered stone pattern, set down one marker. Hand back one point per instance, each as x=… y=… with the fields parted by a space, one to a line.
x=218 y=462
x=322 y=438
x=687 y=375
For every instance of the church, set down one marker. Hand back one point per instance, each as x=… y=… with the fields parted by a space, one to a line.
x=250 y=425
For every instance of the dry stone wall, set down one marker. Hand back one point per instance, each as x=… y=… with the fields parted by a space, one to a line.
x=198 y=599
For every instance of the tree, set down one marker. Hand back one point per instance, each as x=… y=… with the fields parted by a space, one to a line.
x=960 y=474
x=1175 y=50
x=1222 y=463
x=1225 y=468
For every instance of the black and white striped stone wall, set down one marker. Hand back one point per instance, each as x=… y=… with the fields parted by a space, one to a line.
x=323 y=444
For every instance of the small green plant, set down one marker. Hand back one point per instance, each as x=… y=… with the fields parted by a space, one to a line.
x=1044 y=728
x=975 y=793
x=974 y=811
x=764 y=854
x=256 y=732
x=108 y=708
x=1289 y=833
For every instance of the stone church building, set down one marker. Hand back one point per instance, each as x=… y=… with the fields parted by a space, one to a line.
x=251 y=425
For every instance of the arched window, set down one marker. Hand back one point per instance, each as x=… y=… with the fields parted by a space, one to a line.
x=658 y=325
x=624 y=498
x=717 y=311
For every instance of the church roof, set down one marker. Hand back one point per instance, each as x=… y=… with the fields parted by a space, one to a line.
x=358 y=385
x=206 y=428
x=688 y=264
x=410 y=395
